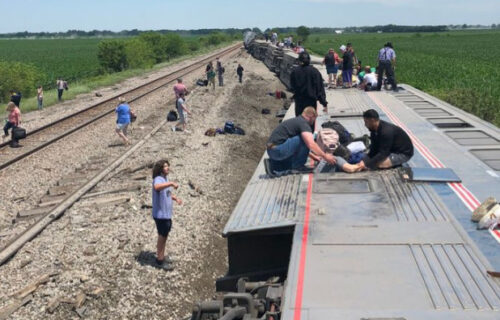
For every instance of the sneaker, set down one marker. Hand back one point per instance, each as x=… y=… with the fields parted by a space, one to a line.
x=302 y=170
x=165 y=266
x=480 y=211
x=267 y=166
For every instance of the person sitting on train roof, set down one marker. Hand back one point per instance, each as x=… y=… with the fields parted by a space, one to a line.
x=390 y=145
x=369 y=81
x=290 y=143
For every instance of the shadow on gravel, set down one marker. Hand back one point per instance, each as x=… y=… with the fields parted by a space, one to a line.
x=146 y=258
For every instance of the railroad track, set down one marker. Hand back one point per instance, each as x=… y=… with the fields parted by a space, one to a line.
x=105 y=108
x=51 y=133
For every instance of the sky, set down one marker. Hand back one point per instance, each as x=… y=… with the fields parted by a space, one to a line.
x=114 y=15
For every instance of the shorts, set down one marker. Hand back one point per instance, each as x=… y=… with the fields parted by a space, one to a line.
x=163 y=226
x=122 y=127
x=332 y=69
x=182 y=116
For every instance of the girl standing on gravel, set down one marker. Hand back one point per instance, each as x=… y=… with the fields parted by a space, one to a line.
x=162 y=210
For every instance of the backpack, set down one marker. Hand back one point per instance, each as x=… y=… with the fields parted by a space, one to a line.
x=328 y=140
x=133 y=116
x=229 y=127
x=172 y=115
x=344 y=135
x=202 y=83
x=239 y=130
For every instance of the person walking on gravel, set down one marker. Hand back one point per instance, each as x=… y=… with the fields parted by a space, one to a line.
x=179 y=88
x=13 y=121
x=239 y=72
x=183 y=112
x=61 y=86
x=387 y=63
x=210 y=74
x=123 y=113
x=220 y=72
x=162 y=210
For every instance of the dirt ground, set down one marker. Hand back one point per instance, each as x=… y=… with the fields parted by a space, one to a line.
x=102 y=252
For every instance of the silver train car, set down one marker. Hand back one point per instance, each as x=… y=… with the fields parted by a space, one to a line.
x=391 y=244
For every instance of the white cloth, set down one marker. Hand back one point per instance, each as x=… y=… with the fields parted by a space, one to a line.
x=371 y=79
x=356 y=146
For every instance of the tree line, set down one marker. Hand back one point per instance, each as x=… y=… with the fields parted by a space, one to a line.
x=114 y=55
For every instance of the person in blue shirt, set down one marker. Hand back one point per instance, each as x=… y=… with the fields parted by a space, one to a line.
x=162 y=210
x=123 y=113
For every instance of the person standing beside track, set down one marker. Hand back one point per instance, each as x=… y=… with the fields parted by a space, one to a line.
x=387 y=63
x=178 y=89
x=239 y=72
x=307 y=85
x=61 y=86
x=290 y=143
x=210 y=74
x=123 y=112
x=162 y=210
x=220 y=72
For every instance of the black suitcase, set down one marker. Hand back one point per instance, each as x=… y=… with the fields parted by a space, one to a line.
x=18 y=133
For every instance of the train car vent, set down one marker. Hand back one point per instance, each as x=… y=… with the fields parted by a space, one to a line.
x=489 y=156
x=472 y=138
x=330 y=186
x=450 y=122
x=431 y=112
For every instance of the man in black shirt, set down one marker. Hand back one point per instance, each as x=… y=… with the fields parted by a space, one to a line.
x=15 y=97
x=347 y=64
x=390 y=145
x=290 y=143
x=307 y=85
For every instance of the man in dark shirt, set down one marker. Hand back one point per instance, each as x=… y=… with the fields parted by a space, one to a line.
x=390 y=145
x=290 y=143
x=15 y=97
x=347 y=65
x=307 y=85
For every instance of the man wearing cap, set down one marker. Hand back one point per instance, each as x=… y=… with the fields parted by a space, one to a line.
x=307 y=85
x=387 y=62
x=347 y=64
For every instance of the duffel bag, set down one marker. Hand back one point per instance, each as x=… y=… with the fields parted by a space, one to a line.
x=18 y=133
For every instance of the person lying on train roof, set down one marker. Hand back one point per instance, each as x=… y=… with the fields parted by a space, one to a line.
x=390 y=145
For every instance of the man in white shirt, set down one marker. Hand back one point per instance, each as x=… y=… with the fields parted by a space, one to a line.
x=369 y=80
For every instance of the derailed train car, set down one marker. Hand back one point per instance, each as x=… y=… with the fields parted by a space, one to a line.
x=395 y=244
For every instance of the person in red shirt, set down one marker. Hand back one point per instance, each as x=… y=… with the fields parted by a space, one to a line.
x=13 y=121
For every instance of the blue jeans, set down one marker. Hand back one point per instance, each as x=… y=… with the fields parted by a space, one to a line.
x=291 y=154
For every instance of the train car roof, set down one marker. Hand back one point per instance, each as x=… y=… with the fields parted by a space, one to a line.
x=372 y=245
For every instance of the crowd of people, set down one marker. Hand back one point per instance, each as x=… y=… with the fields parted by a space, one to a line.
x=291 y=143
x=353 y=73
